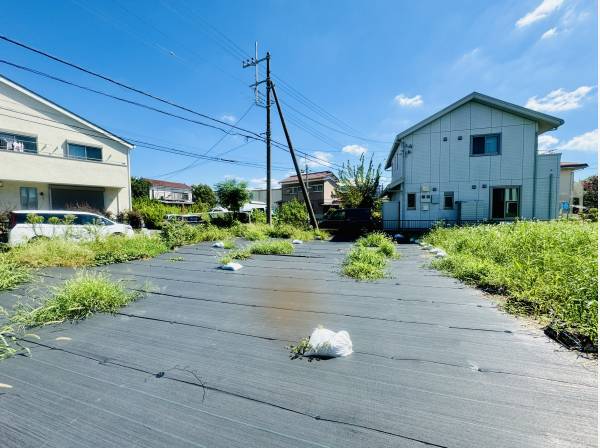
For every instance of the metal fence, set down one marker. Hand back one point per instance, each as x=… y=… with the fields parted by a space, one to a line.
x=425 y=224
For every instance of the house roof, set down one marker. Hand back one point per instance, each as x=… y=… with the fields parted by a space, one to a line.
x=545 y=122
x=166 y=183
x=319 y=175
x=573 y=165
x=30 y=93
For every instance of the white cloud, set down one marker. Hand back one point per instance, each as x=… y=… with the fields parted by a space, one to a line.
x=584 y=142
x=542 y=11
x=559 y=100
x=229 y=118
x=550 y=33
x=546 y=143
x=261 y=182
x=405 y=101
x=356 y=150
x=324 y=158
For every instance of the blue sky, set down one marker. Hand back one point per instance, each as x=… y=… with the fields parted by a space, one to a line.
x=370 y=69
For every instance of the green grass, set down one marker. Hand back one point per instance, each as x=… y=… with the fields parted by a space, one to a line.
x=78 y=298
x=11 y=272
x=546 y=269
x=9 y=338
x=368 y=258
x=271 y=248
x=53 y=252
x=119 y=249
x=228 y=244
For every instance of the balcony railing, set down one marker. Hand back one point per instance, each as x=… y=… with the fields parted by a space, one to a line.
x=426 y=224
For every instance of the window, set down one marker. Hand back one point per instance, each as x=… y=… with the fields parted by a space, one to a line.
x=485 y=145
x=18 y=143
x=505 y=203
x=411 y=201
x=448 y=200
x=317 y=188
x=84 y=152
x=29 y=199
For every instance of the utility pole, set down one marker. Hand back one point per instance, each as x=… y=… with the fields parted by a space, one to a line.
x=311 y=213
x=253 y=62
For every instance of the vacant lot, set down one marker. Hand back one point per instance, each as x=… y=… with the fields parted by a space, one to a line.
x=202 y=361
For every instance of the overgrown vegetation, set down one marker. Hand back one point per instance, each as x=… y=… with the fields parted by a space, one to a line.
x=368 y=258
x=547 y=269
x=153 y=212
x=292 y=213
x=357 y=185
x=233 y=194
x=259 y=248
x=9 y=337
x=11 y=272
x=78 y=298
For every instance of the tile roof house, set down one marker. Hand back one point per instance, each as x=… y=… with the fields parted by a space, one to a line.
x=320 y=185
x=170 y=192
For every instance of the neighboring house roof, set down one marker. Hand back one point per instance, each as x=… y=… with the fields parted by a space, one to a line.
x=320 y=175
x=166 y=183
x=545 y=122
x=30 y=93
x=573 y=165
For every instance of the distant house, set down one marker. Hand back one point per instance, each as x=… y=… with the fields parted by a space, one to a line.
x=51 y=158
x=170 y=192
x=260 y=195
x=475 y=160
x=570 y=192
x=320 y=185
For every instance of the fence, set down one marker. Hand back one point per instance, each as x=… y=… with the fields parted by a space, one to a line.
x=424 y=224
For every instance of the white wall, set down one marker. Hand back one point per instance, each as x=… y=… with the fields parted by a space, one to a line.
x=448 y=165
x=24 y=115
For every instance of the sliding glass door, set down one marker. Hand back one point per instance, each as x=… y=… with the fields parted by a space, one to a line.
x=505 y=202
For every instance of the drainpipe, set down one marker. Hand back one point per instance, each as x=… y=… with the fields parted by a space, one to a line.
x=550 y=196
x=535 y=158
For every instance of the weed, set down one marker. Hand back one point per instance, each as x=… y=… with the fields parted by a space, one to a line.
x=53 y=252
x=9 y=338
x=364 y=263
x=297 y=351
x=175 y=259
x=78 y=298
x=547 y=269
x=11 y=272
x=117 y=249
x=381 y=241
x=271 y=248
x=228 y=244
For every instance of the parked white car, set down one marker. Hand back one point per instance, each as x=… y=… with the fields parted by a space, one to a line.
x=61 y=223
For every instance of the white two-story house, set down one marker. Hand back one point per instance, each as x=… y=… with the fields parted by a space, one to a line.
x=475 y=160
x=51 y=158
x=170 y=192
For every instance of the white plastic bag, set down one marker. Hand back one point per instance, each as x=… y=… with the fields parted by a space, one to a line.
x=231 y=266
x=329 y=344
x=219 y=244
x=297 y=242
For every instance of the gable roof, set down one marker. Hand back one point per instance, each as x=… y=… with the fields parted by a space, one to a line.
x=319 y=175
x=166 y=183
x=545 y=122
x=52 y=105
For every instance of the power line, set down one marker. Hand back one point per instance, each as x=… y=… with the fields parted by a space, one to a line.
x=254 y=135
x=118 y=83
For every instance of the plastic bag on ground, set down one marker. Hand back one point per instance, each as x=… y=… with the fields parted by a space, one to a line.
x=231 y=266
x=329 y=344
x=297 y=242
x=219 y=244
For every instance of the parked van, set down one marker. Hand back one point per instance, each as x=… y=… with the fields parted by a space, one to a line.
x=61 y=223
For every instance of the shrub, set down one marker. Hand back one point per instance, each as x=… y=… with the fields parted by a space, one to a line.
x=78 y=298
x=132 y=217
x=548 y=269
x=232 y=194
x=251 y=232
x=258 y=216
x=11 y=272
x=292 y=213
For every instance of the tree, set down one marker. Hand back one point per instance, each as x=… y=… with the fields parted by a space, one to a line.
x=233 y=194
x=140 y=187
x=204 y=194
x=357 y=185
x=293 y=213
x=590 y=192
